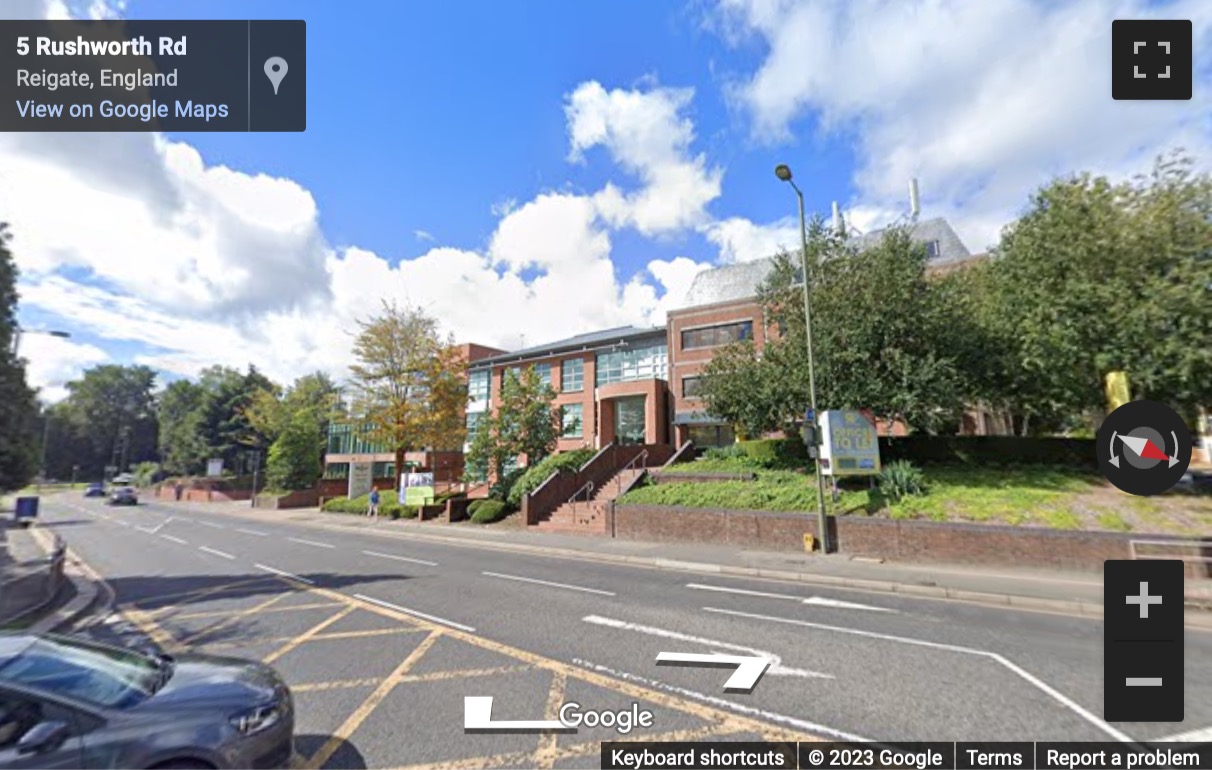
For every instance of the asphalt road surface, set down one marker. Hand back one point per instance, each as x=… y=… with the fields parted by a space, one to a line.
x=382 y=636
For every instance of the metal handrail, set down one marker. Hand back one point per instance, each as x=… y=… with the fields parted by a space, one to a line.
x=588 y=486
x=641 y=456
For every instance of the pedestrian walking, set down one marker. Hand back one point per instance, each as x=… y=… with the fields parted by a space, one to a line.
x=373 y=511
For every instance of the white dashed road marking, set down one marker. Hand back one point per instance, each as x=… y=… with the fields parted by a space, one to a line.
x=819 y=601
x=400 y=558
x=174 y=539
x=252 y=532
x=548 y=583
x=216 y=553
x=285 y=574
x=309 y=542
x=407 y=611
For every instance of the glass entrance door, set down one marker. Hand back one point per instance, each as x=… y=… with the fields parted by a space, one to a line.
x=629 y=420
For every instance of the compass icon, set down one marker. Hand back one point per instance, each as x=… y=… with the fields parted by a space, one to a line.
x=1144 y=447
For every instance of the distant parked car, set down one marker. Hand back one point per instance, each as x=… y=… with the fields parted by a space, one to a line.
x=95 y=490
x=65 y=702
x=124 y=496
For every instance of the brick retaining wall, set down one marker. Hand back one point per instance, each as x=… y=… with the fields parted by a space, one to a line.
x=906 y=541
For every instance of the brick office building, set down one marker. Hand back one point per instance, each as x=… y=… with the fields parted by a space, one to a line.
x=350 y=443
x=721 y=307
x=611 y=386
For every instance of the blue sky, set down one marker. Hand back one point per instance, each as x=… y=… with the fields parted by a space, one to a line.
x=421 y=116
x=527 y=170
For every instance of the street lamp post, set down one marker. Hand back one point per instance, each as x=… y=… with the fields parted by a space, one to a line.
x=783 y=172
x=18 y=331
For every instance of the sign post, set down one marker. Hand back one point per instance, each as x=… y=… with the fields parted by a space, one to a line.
x=416 y=489
x=849 y=444
x=361 y=479
x=214 y=467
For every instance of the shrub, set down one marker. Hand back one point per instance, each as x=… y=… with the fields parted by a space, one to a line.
x=900 y=479
x=991 y=451
x=730 y=452
x=489 y=511
x=500 y=490
x=474 y=505
x=540 y=471
x=772 y=453
x=387 y=499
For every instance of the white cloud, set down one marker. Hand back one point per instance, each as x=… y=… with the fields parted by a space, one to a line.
x=423 y=235
x=933 y=90
x=647 y=134
x=740 y=240
x=196 y=264
x=54 y=361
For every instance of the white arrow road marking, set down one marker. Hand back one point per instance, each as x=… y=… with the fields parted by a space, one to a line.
x=1192 y=736
x=1060 y=697
x=749 y=668
x=776 y=663
x=769 y=716
x=820 y=601
x=477 y=715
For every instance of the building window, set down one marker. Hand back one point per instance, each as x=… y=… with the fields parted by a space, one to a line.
x=647 y=363
x=336 y=471
x=711 y=435
x=473 y=420
x=477 y=389
x=544 y=372
x=511 y=371
x=691 y=386
x=713 y=336
x=572 y=415
x=932 y=250
x=572 y=375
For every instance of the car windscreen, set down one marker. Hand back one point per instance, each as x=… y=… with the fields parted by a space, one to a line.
x=100 y=676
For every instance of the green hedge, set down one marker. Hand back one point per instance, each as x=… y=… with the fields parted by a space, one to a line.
x=538 y=473
x=991 y=451
x=488 y=511
x=389 y=505
x=776 y=452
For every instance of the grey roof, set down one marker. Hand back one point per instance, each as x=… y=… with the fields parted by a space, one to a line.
x=741 y=281
x=581 y=341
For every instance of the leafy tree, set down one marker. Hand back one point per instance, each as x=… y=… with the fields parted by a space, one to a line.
x=882 y=340
x=523 y=425
x=408 y=383
x=18 y=410
x=1097 y=277
x=183 y=448
x=226 y=430
x=296 y=424
x=111 y=415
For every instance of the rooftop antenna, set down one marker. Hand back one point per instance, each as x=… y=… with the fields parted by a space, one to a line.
x=915 y=201
x=839 y=224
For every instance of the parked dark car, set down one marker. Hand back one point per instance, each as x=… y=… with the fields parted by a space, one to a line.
x=124 y=496
x=95 y=490
x=69 y=703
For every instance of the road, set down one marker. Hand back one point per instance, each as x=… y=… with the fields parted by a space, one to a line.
x=382 y=636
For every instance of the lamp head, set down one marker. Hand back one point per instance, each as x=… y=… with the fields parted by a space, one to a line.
x=783 y=172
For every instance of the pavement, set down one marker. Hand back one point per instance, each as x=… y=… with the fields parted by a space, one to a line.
x=383 y=628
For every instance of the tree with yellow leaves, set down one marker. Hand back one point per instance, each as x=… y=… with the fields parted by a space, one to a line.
x=408 y=386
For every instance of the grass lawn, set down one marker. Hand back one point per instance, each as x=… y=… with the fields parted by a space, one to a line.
x=1041 y=497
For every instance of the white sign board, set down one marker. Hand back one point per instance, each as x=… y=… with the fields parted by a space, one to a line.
x=849 y=444
x=361 y=479
x=214 y=468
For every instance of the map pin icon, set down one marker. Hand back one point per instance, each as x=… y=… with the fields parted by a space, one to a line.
x=275 y=70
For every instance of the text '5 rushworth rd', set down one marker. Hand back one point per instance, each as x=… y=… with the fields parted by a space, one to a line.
x=153 y=76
